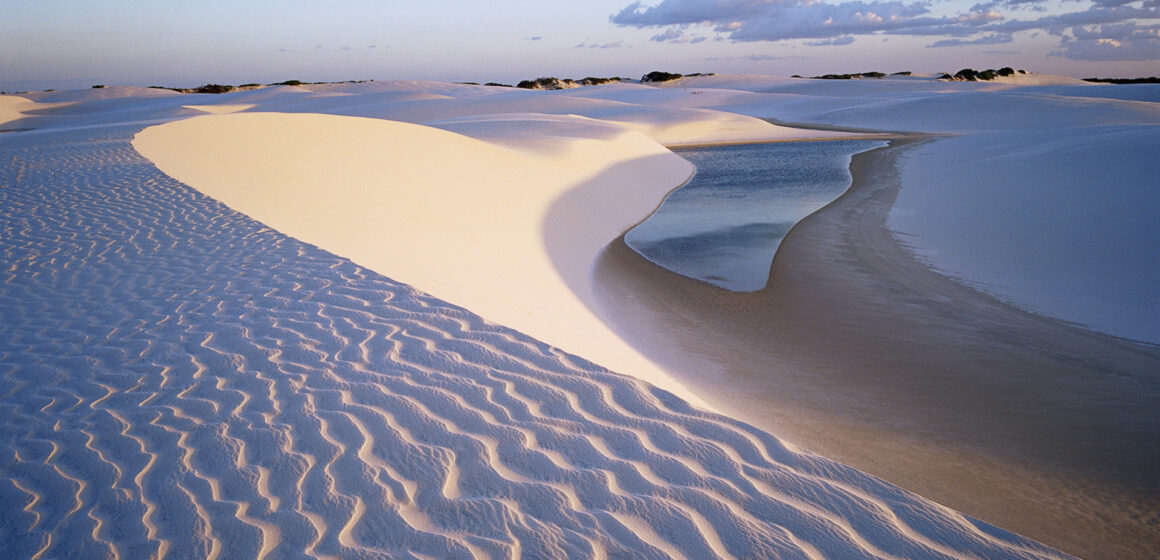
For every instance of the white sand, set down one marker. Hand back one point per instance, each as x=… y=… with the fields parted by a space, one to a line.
x=180 y=380
x=12 y=108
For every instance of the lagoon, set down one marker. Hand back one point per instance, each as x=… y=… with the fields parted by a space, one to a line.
x=724 y=226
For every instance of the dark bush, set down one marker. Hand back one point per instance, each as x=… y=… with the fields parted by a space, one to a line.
x=593 y=81
x=902 y=73
x=987 y=75
x=967 y=74
x=496 y=84
x=850 y=76
x=1005 y=71
x=213 y=88
x=550 y=83
x=99 y=87
x=1149 y=80
x=657 y=77
x=288 y=83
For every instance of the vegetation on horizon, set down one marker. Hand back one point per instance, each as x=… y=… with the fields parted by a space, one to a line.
x=658 y=76
x=971 y=75
x=874 y=75
x=1148 y=80
x=552 y=83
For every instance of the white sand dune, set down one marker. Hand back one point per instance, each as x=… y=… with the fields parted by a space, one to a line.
x=180 y=380
x=462 y=218
x=12 y=108
x=527 y=221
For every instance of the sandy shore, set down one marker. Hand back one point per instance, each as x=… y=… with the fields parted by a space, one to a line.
x=861 y=353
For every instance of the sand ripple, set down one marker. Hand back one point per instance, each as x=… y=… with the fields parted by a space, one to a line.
x=176 y=379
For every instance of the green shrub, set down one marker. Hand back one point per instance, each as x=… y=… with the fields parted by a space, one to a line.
x=967 y=74
x=875 y=75
x=657 y=77
x=213 y=88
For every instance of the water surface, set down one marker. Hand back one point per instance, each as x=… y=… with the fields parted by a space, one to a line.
x=725 y=225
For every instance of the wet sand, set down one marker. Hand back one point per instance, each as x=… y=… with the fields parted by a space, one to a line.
x=859 y=352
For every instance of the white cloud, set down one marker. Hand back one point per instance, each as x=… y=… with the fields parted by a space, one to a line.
x=835 y=41
x=672 y=34
x=992 y=39
x=1125 y=41
x=828 y=22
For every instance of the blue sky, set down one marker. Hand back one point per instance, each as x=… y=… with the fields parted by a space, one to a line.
x=76 y=43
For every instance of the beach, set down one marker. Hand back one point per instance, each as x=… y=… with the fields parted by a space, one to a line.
x=399 y=319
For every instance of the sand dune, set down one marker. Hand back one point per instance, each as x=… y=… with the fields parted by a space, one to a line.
x=13 y=107
x=528 y=221
x=169 y=363
x=180 y=380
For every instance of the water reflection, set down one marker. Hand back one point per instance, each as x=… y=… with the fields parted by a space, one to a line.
x=725 y=225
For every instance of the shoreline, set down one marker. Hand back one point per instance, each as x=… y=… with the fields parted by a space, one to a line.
x=859 y=352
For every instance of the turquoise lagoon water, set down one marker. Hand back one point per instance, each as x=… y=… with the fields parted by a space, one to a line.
x=725 y=225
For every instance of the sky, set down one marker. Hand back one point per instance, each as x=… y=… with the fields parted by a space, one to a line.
x=77 y=43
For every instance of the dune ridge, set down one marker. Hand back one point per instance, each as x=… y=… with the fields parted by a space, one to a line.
x=179 y=379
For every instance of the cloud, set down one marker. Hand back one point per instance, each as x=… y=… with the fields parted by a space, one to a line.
x=536 y=38
x=1125 y=41
x=992 y=39
x=834 y=41
x=612 y=45
x=674 y=34
x=678 y=35
x=836 y=22
x=755 y=57
x=764 y=57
